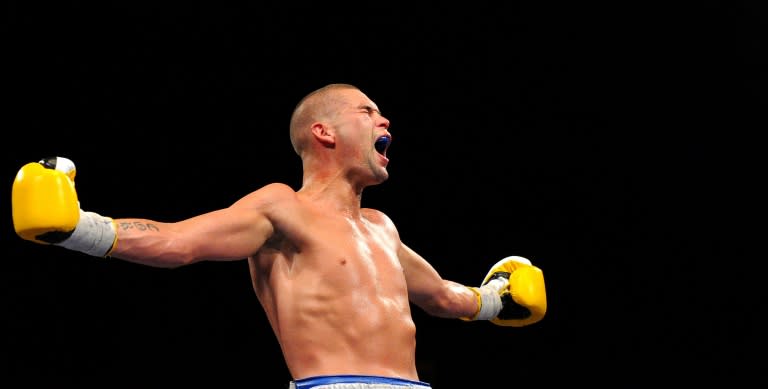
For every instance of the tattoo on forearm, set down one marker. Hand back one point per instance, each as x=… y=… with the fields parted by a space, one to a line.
x=139 y=226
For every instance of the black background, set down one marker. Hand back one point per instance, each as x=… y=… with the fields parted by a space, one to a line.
x=613 y=144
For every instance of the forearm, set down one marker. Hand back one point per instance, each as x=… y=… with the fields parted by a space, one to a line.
x=221 y=235
x=150 y=243
x=452 y=300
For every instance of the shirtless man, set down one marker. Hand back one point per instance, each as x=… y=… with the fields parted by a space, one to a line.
x=334 y=279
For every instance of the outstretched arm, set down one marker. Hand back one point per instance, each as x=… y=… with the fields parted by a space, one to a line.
x=227 y=234
x=512 y=293
x=46 y=210
x=430 y=292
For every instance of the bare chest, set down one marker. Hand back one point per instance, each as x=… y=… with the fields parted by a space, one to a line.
x=353 y=254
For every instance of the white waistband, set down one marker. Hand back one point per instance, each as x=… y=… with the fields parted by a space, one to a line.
x=356 y=382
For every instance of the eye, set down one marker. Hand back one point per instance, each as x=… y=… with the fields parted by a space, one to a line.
x=369 y=110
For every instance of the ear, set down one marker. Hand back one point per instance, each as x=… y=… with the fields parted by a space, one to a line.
x=324 y=134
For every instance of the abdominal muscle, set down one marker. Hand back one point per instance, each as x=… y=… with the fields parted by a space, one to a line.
x=338 y=311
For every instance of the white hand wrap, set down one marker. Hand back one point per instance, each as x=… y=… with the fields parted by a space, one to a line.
x=490 y=299
x=94 y=235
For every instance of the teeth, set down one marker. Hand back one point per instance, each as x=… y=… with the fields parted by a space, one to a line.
x=382 y=143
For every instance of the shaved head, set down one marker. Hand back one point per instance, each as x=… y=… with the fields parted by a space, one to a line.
x=320 y=104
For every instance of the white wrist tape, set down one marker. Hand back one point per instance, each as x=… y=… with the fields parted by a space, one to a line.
x=490 y=299
x=94 y=235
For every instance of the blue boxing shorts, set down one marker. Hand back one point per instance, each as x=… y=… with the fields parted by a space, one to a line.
x=356 y=382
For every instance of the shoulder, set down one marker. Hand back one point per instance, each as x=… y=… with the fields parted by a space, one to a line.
x=270 y=194
x=277 y=189
x=379 y=218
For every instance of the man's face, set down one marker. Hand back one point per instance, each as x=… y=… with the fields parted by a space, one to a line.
x=362 y=135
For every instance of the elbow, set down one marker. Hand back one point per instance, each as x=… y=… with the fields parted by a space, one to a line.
x=174 y=254
x=180 y=255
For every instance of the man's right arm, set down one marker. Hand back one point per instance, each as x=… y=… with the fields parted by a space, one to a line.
x=228 y=234
x=46 y=210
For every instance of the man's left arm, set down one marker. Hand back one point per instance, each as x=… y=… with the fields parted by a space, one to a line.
x=511 y=294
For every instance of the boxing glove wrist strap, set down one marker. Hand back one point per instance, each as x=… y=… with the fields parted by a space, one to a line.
x=94 y=235
x=489 y=298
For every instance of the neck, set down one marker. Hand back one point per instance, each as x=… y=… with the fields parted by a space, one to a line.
x=333 y=190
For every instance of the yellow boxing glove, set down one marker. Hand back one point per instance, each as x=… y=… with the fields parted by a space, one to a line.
x=512 y=294
x=45 y=209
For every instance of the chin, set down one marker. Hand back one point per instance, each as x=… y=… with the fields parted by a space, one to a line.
x=383 y=176
x=379 y=177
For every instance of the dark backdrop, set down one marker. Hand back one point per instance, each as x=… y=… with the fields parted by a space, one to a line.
x=609 y=143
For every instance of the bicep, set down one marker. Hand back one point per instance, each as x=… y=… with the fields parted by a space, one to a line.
x=422 y=279
x=429 y=291
x=226 y=234
x=426 y=288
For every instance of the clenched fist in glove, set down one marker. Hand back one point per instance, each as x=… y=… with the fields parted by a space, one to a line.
x=512 y=294
x=46 y=209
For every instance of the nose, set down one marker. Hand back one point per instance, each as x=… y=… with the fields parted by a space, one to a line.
x=383 y=122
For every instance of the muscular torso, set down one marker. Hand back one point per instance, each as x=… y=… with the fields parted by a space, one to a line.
x=335 y=294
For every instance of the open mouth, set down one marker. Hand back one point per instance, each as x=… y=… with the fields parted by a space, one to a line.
x=382 y=144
